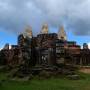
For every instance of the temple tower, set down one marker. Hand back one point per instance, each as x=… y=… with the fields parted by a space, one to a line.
x=85 y=46
x=44 y=29
x=62 y=34
x=28 y=32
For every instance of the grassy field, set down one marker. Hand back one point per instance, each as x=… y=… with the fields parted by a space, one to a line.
x=48 y=84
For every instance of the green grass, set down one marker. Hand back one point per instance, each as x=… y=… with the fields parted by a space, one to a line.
x=48 y=84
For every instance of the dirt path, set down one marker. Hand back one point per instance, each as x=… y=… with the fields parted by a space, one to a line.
x=85 y=69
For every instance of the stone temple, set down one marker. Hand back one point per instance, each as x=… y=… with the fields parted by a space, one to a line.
x=44 y=50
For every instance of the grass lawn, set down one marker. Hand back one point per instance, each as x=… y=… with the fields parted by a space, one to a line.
x=48 y=84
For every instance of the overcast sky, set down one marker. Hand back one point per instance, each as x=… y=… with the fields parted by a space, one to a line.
x=15 y=15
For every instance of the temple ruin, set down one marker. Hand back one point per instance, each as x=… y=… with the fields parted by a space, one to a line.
x=44 y=50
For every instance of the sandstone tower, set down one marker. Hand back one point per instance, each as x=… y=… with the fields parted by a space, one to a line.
x=28 y=32
x=44 y=29
x=62 y=34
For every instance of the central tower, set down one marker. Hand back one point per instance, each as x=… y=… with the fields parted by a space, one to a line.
x=62 y=34
x=28 y=32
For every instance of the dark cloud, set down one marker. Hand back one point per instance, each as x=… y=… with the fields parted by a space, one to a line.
x=16 y=14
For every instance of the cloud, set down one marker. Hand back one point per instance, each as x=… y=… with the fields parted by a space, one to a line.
x=1 y=49
x=89 y=45
x=73 y=14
